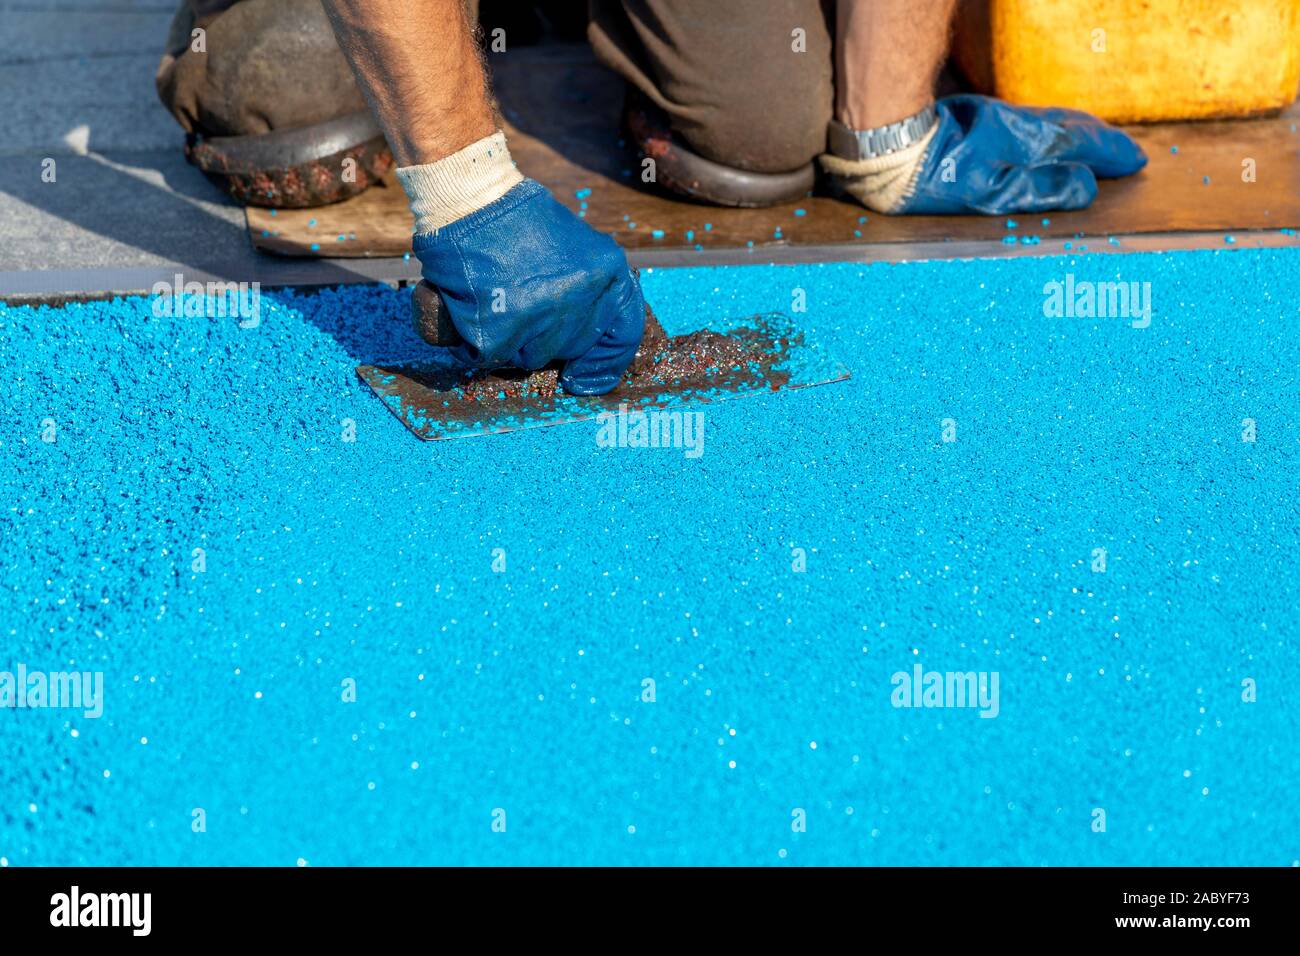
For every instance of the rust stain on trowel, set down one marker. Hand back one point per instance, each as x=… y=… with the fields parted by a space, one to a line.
x=753 y=356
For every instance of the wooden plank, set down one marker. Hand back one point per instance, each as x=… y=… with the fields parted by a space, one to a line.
x=562 y=118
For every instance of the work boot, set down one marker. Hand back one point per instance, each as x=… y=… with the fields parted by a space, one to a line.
x=268 y=102
x=687 y=173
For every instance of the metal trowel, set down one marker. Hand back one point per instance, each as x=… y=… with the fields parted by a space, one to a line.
x=757 y=355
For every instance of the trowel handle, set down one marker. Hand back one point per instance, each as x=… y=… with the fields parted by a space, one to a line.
x=428 y=317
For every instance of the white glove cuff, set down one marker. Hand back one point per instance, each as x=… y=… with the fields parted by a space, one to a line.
x=882 y=183
x=464 y=182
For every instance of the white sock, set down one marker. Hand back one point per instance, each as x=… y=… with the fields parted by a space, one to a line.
x=459 y=184
x=881 y=184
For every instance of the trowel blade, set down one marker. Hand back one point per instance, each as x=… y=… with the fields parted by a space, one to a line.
x=429 y=398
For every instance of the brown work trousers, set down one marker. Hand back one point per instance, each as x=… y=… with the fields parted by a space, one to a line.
x=745 y=83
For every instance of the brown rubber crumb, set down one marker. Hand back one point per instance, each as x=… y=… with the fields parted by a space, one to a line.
x=687 y=356
x=660 y=360
x=511 y=383
x=653 y=340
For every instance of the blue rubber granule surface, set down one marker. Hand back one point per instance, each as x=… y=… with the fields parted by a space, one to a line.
x=521 y=691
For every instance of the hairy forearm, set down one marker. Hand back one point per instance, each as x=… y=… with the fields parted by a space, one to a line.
x=887 y=56
x=420 y=69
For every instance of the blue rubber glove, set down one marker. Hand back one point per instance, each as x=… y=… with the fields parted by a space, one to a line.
x=1017 y=159
x=526 y=283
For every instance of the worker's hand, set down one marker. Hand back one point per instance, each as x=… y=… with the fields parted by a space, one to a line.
x=526 y=283
x=989 y=157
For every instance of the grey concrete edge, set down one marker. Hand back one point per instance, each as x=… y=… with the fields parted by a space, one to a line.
x=61 y=285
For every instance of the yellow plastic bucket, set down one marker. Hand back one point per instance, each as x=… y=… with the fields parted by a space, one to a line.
x=1132 y=61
